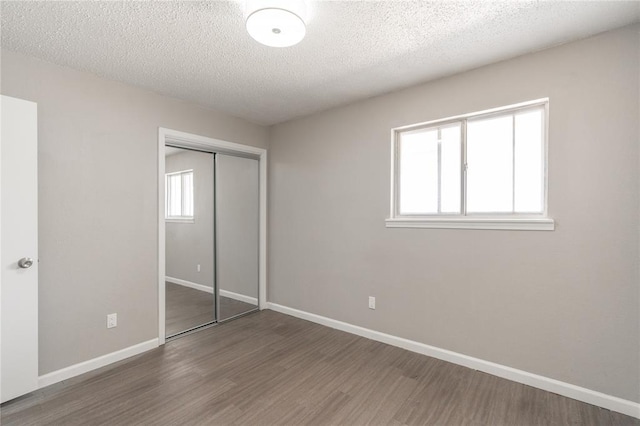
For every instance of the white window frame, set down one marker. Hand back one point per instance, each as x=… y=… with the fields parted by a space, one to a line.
x=464 y=220
x=182 y=218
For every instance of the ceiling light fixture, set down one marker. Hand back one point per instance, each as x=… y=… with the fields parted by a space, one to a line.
x=276 y=23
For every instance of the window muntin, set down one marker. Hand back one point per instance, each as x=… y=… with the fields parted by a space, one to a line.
x=500 y=169
x=179 y=196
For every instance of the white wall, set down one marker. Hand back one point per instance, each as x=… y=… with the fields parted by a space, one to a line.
x=562 y=304
x=98 y=143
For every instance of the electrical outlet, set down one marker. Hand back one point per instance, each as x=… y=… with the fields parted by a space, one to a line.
x=112 y=320
x=198 y=267
x=372 y=302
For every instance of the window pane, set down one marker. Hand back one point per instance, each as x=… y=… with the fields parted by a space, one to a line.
x=490 y=165
x=175 y=195
x=450 y=164
x=187 y=194
x=419 y=172
x=528 y=158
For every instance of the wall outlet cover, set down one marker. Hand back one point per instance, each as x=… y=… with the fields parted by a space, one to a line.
x=112 y=320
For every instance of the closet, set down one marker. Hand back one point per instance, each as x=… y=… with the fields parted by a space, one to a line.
x=212 y=224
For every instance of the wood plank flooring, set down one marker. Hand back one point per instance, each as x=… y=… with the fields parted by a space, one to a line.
x=272 y=369
x=187 y=308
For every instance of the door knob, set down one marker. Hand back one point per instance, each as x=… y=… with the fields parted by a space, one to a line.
x=25 y=262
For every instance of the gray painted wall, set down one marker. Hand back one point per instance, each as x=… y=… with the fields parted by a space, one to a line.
x=238 y=209
x=98 y=202
x=190 y=244
x=563 y=304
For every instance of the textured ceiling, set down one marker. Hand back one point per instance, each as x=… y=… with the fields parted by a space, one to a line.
x=200 y=51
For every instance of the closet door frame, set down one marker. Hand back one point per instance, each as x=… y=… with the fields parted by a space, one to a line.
x=190 y=141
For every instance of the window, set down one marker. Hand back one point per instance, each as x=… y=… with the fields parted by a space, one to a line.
x=484 y=170
x=179 y=196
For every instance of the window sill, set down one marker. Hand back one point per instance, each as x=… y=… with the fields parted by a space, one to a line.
x=503 y=223
x=176 y=220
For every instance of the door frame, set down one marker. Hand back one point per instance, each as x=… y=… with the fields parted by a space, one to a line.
x=189 y=140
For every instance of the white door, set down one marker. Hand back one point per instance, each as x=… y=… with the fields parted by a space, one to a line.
x=18 y=248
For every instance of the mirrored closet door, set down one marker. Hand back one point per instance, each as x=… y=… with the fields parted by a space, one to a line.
x=189 y=239
x=237 y=220
x=211 y=237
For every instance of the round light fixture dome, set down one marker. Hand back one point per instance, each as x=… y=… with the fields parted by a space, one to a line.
x=276 y=23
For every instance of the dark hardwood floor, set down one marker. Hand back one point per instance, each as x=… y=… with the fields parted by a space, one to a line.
x=272 y=369
x=187 y=308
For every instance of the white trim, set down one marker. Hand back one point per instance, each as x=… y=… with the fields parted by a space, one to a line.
x=179 y=172
x=161 y=239
x=262 y=267
x=225 y=293
x=184 y=219
x=95 y=363
x=204 y=142
x=466 y=222
x=189 y=284
x=589 y=396
x=515 y=221
x=189 y=140
x=240 y=297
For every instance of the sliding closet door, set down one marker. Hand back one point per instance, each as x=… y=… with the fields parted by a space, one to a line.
x=237 y=220
x=189 y=231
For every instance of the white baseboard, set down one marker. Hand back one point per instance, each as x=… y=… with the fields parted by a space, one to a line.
x=225 y=293
x=95 y=363
x=189 y=284
x=240 y=297
x=589 y=396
